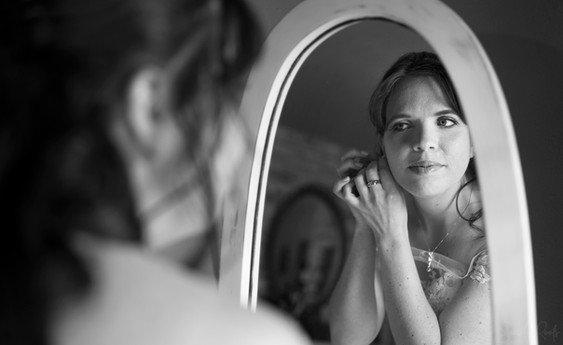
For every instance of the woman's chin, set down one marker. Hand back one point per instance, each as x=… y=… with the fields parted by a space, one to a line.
x=425 y=190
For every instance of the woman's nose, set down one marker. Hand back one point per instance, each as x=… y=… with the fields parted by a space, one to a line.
x=425 y=139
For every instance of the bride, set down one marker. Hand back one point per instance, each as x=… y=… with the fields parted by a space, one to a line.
x=417 y=270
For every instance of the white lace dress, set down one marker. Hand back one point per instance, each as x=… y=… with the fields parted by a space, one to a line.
x=441 y=277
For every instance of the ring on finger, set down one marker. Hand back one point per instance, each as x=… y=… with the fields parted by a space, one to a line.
x=372 y=183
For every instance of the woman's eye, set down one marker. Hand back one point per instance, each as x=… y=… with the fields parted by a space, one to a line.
x=399 y=127
x=446 y=122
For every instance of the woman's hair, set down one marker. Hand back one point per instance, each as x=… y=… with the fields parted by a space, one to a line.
x=63 y=64
x=413 y=65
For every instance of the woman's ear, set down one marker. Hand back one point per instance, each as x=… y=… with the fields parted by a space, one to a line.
x=145 y=129
x=142 y=107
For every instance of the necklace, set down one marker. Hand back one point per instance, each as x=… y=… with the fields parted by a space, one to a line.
x=431 y=253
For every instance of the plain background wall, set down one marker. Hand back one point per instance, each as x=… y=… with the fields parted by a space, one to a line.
x=330 y=94
x=524 y=40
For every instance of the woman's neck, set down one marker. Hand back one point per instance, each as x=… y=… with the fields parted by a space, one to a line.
x=438 y=215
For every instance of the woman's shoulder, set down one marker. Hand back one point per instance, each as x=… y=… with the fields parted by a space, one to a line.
x=139 y=298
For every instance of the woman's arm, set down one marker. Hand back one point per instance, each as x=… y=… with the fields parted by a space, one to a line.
x=411 y=317
x=356 y=308
x=356 y=313
x=381 y=206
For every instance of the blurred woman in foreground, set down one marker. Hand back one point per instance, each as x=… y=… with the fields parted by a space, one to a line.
x=116 y=121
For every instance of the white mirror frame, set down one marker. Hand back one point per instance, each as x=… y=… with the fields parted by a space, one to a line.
x=481 y=96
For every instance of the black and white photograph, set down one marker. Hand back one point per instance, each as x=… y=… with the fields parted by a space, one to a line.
x=285 y=172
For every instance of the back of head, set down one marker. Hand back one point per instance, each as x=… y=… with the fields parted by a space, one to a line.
x=64 y=64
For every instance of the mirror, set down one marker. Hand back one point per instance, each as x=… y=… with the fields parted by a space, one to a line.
x=270 y=85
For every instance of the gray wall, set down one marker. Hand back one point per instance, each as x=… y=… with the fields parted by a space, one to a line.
x=330 y=94
x=524 y=40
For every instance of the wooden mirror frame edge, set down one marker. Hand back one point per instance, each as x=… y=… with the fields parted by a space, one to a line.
x=504 y=202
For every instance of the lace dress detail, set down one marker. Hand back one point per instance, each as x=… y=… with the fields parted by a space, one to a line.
x=442 y=276
x=480 y=269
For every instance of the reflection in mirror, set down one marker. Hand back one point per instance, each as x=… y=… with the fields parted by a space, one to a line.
x=411 y=221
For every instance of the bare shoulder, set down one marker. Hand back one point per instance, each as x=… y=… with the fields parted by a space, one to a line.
x=221 y=321
x=467 y=319
x=140 y=299
x=267 y=327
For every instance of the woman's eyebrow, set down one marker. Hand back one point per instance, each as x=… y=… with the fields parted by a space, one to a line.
x=448 y=111
x=398 y=116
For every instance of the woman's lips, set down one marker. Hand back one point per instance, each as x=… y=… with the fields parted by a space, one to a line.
x=425 y=167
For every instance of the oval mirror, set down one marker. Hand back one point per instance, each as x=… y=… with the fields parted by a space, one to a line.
x=271 y=83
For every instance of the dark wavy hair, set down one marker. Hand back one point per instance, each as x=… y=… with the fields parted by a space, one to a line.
x=412 y=65
x=63 y=64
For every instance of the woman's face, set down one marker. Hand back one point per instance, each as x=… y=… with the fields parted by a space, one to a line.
x=426 y=143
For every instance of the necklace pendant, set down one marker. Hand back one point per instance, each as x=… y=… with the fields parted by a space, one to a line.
x=430 y=258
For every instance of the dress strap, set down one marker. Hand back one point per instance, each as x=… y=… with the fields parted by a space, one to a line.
x=439 y=261
x=478 y=268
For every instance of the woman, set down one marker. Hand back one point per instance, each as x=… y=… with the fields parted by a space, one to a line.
x=419 y=232
x=113 y=113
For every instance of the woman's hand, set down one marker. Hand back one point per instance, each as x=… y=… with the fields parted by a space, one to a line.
x=351 y=164
x=379 y=203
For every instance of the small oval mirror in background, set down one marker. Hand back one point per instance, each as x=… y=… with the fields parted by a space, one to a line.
x=303 y=256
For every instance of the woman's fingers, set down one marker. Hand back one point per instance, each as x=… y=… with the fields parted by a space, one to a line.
x=353 y=154
x=360 y=183
x=373 y=179
x=349 y=167
x=343 y=189
x=338 y=185
x=349 y=196
x=352 y=162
